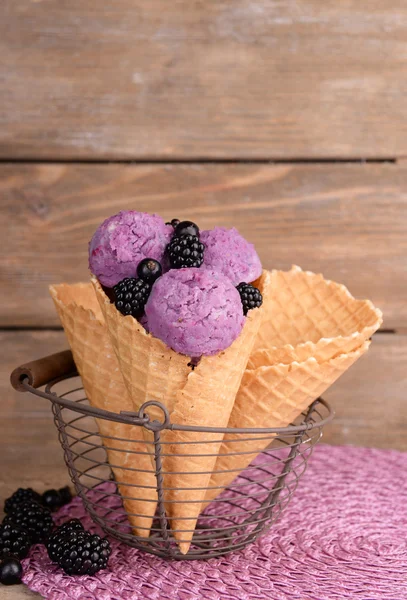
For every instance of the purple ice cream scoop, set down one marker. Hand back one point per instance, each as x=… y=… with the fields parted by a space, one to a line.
x=122 y=241
x=195 y=311
x=229 y=253
x=143 y=321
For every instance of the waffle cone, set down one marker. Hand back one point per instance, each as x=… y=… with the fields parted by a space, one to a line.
x=201 y=397
x=96 y=362
x=308 y=316
x=272 y=396
x=312 y=331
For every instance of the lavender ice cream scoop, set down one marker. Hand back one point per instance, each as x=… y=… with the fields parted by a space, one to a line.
x=195 y=311
x=122 y=241
x=229 y=253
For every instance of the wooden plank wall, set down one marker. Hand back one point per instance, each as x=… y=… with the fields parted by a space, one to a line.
x=345 y=220
x=232 y=79
x=285 y=118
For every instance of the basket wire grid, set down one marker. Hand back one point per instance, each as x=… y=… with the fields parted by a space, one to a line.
x=235 y=518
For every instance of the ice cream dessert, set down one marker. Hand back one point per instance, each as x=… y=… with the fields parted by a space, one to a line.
x=122 y=241
x=268 y=343
x=229 y=253
x=83 y=322
x=194 y=311
x=194 y=308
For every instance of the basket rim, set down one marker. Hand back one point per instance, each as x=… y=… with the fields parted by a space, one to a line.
x=141 y=419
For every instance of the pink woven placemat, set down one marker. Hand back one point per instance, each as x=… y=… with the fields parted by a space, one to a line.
x=344 y=535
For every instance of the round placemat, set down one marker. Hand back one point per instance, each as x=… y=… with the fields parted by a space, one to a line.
x=344 y=535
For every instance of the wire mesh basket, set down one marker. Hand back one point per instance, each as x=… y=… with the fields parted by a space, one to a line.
x=241 y=512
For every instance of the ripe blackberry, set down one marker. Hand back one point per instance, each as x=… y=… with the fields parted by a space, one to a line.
x=81 y=553
x=185 y=251
x=14 y=540
x=21 y=495
x=57 y=536
x=131 y=296
x=32 y=517
x=250 y=296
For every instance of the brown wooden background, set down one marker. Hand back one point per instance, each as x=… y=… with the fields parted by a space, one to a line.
x=285 y=118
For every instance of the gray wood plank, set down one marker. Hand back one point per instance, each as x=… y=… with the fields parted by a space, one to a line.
x=347 y=221
x=188 y=79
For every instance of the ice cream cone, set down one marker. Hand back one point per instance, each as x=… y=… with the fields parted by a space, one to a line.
x=308 y=316
x=272 y=396
x=201 y=397
x=96 y=362
x=312 y=331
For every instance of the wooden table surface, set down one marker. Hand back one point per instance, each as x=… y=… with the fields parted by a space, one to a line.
x=20 y=592
x=284 y=119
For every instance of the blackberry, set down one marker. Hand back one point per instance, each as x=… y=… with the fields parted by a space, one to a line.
x=32 y=517
x=149 y=270
x=185 y=251
x=186 y=228
x=250 y=296
x=11 y=571
x=57 y=537
x=21 y=495
x=14 y=540
x=131 y=296
x=81 y=553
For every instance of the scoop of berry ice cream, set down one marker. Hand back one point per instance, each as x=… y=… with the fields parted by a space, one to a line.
x=122 y=241
x=229 y=253
x=144 y=321
x=195 y=311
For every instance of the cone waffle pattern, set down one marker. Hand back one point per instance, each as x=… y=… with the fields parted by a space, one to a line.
x=308 y=316
x=201 y=397
x=95 y=359
x=312 y=331
x=272 y=396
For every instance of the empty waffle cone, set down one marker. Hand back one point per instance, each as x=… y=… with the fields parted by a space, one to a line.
x=96 y=362
x=308 y=316
x=312 y=331
x=272 y=396
x=201 y=397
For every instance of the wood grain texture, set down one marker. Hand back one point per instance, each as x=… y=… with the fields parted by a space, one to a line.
x=127 y=79
x=348 y=221
x=370 y=398
x=20 y=592
x=30 y=452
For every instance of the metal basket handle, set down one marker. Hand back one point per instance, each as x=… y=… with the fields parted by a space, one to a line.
x=57 y=367
x=41 y=371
